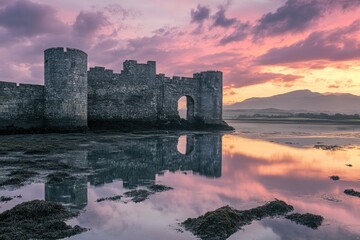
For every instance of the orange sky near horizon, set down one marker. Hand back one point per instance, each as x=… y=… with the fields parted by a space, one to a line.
x=264 y=47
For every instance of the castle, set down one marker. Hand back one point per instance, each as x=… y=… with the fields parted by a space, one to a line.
x=74 y=97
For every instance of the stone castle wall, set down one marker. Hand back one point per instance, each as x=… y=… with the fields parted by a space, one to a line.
x=74 y=97
x=137 y=94
x=131 y=95
x=21 y=106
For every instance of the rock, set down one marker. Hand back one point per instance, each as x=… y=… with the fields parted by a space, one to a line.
x=335 y=178
x=37 y=220
x=352 y=192
x=159 y=188
x=218 y=224
x=139 y=195
x=5 y=199
x=225 y=221
x=328 y=147
x=307 y=219
x=113 y=198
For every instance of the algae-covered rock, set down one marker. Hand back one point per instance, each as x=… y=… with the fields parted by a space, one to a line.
x=307 y=219
x=225 y=221
x=270 y=209
x=352 y=192
x=335 y=178
x=113 y=198
x=37 y=220
x=216 y=225
x=328 y=147
x=7 y=198
x=139 y=195
x=159 y=188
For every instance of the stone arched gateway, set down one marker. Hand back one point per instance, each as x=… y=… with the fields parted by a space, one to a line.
x=190 y=107
x=203 y=93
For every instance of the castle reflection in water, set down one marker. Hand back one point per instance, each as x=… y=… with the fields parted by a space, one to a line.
x=136 y=161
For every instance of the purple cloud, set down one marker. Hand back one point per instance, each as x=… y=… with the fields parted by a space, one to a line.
x=241 y=32
x=200 y=14
x=298 y=15
x=88 y=23
x=119 y=11
x=26 y=19
x=337 y=45
x=4 y=2
x=344 y=4
x=220 y=20
x=293 y=16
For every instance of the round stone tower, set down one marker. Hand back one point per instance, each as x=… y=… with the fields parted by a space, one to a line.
x=66 y=88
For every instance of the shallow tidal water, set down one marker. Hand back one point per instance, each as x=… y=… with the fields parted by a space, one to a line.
x=257 y=163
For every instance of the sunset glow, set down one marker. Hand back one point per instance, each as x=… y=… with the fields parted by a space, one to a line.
x=264 y=47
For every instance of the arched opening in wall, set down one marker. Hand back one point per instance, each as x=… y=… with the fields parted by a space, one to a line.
x=185 y=144
x=186 y=107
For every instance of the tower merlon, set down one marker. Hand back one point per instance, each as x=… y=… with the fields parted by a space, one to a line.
x=65 y=50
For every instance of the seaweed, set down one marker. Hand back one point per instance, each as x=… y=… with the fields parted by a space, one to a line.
x=113 y=198
x=335 y=178
x=352 y=192
x=225 y=221
x=310 y=220
x=37 y=219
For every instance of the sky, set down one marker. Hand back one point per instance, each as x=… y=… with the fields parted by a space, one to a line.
x=263 y=47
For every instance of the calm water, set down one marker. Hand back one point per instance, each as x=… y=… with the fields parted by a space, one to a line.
x=256 y=164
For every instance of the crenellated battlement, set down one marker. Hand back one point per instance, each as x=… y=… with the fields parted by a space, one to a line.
x=8 y=85
x=130 y=68
x=30 y=87
x=15 y=88
x=100 y=70
x=64 y=50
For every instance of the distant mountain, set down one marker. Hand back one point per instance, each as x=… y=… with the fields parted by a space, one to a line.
x=304 y=101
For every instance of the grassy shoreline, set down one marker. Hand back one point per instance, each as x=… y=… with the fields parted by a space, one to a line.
x=294 y=120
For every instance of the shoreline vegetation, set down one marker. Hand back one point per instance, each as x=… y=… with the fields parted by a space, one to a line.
x=299 y=118
x=295 y=121
x=273 y=115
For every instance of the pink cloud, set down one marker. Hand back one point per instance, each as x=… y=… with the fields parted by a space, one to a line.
x=201 y=37
x=336 y=45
